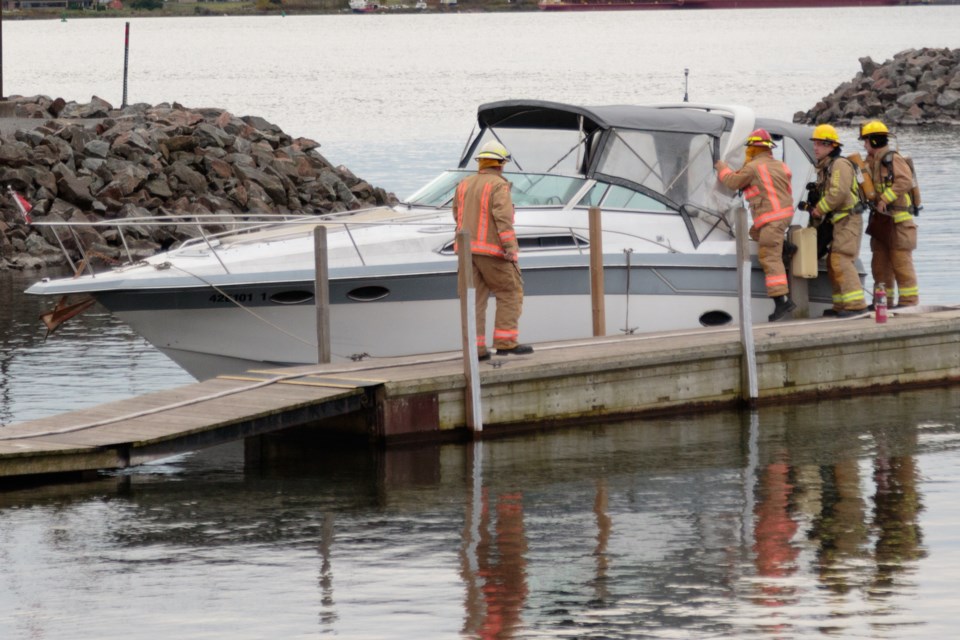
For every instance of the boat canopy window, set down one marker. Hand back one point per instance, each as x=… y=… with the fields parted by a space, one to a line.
x=532 y=189
x=658 y=159
x=653 y=170
x=539 y=150
x=677 y=165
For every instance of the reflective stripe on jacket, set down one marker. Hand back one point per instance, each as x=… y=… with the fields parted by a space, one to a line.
x=765 y=182
x=482 y=205
x=837 y=182
x=893 y=184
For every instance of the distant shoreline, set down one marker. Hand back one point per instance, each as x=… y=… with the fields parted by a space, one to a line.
x=301 y=7
x=235 y=9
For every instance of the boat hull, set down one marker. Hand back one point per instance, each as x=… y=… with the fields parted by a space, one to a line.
x=207 y=334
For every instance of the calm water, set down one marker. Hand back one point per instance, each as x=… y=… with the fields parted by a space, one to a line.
x=836 y=519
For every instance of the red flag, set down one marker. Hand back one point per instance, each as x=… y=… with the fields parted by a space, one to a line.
x=23 y=205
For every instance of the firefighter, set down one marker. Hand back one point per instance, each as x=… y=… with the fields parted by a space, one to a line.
x=482 y=205
x=892 y=230
x=840 y=205
x=765 y=183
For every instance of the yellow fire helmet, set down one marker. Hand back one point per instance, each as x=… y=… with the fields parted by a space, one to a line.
x=873 y=127
x=826 y=133
x=493 y=150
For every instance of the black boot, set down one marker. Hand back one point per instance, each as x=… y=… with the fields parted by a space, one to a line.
x=789 y=250
x=784 y=305
x=519 y=350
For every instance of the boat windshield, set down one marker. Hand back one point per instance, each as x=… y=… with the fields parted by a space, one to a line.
x=529 y=189
x=543 y=189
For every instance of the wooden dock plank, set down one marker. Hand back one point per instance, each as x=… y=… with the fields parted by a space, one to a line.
x=29 y=447
x=190 y=419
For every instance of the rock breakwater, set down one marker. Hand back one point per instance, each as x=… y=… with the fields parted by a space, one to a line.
x=916 y=87
x=87 y=162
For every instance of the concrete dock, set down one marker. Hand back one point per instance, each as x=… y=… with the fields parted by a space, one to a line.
x=421 y=398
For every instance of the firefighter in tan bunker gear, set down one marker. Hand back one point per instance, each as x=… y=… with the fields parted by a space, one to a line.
x=482 y=205
x=765 y=182
x=840 y=205
x=892 y=230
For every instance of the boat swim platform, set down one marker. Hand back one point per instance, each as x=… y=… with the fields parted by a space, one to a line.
x=391 y=401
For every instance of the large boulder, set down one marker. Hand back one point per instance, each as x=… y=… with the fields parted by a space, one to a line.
x=92 y=161
x=916 y=87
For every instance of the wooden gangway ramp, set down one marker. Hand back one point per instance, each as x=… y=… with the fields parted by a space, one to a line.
x=129 y=432
x=423 y=397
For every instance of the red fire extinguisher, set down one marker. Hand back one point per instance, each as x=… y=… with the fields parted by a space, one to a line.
x=880 y=303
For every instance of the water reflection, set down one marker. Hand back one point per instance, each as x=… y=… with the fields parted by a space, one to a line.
x=806 y=520
x=493 y=559
x=896 y=506
x=763 y=525
x=775 y=554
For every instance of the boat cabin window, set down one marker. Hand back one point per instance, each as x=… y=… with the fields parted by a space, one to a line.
x=540 y=242
x=559 y=241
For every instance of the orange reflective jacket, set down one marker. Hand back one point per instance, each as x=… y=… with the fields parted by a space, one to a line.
x=765 y=182
x=482 y=205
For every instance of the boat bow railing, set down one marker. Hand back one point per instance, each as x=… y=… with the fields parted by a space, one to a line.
x=254 y=227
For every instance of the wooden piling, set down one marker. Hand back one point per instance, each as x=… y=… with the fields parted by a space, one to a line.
x=596 y=273
x=468 y=326
x=321 y=293
x=748 y=366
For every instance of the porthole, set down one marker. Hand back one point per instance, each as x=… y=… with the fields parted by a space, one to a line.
x=291 y=297
x=368 y=294
x=715 y=319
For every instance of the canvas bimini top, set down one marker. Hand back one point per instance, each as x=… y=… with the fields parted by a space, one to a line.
x=666 y=152
x=556 y=115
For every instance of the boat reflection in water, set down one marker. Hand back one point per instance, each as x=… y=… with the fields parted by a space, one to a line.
x=729 y=525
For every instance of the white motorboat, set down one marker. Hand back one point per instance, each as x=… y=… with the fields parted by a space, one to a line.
x=239 y=300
